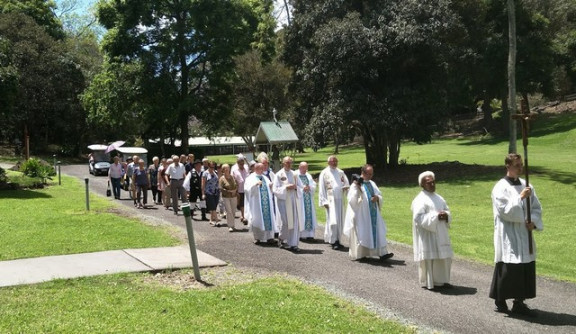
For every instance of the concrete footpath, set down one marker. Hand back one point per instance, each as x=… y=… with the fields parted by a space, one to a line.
x=42 y=269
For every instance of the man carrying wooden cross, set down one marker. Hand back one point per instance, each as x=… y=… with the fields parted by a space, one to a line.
x=515 y=251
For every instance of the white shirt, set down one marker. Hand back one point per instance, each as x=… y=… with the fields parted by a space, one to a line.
x=176 y=172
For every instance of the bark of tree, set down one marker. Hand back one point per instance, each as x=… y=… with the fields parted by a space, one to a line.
x=512 y=73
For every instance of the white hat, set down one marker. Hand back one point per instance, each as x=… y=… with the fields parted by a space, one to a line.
x=240 y=156
x=423 y=175
x=205 y=159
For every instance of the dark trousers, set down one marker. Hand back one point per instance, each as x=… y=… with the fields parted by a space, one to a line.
x=155 y=194
x=176 y=189
x=194 y=197
x=142 y=191
x=116 y=186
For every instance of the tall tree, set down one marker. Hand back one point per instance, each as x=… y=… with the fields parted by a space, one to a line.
x=187 y=46
x=260 y=88
x=376 y=65
x=41 y=11
x=46 y=83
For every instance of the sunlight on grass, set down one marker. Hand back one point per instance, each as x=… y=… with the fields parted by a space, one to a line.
x=54 y=221
x=123 y=304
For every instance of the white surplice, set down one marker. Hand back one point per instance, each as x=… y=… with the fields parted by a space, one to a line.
x=289 y=211
x=365 y=240
x=332 y=185
x=431 y=240
x=254 y=209
x=510 y=233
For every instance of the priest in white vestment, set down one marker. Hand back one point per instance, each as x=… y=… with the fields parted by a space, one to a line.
x=515 y=266
x=260 y=214
x=333 y=186
x=289 y=212
x=431 y=220
x=308 y=190
x=364 y=224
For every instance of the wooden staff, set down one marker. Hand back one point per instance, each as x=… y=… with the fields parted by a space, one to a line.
x=525 y=118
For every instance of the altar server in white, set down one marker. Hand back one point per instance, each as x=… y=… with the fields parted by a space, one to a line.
x=515 y=266
x=431 y=220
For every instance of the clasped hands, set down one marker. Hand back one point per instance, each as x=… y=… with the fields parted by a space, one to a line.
x=443 y=215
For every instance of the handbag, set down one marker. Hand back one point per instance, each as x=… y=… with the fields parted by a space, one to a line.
x=108 y=191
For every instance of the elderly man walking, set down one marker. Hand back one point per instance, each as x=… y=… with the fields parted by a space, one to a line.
x=308 y=190
x=259 y=211
x=431 y=220
x=364 y=223
x=333 y=185
x=175 y=177
x=289 y=213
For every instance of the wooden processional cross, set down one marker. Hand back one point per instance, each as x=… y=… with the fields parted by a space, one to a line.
x=525 y=117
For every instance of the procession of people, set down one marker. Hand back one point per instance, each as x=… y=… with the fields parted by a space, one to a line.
x=278 y=209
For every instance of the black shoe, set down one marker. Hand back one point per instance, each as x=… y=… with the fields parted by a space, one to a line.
x=295 y=249
x=386 y=256
x=204 y=219
x=501 y=306
x=518 y=307
x=336 y=246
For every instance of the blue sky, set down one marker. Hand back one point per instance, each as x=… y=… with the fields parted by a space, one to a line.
x=84 y=5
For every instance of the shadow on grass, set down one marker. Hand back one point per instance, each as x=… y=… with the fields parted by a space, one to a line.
x=541 y=126
x=22 y=194
x=451 y=172
x=554 y=175
x=455 y=173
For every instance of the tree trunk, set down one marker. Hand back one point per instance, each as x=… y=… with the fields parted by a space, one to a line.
x=487 y=109
x=375 y=146
x=336 y=144
x=512 y=73
x=393 y=148
x=287 y=12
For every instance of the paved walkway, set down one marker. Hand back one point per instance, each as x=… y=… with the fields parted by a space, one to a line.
x=42 y=269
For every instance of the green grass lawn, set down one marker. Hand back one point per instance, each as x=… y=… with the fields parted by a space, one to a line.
x=552 y=161
x=127 y=303
x=54 y=221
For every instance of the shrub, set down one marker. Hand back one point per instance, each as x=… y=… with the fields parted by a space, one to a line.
x=37 y=168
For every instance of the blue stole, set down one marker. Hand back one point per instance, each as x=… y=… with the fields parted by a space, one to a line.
x=265 y=203
x=307 y=204
x=373 y=211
